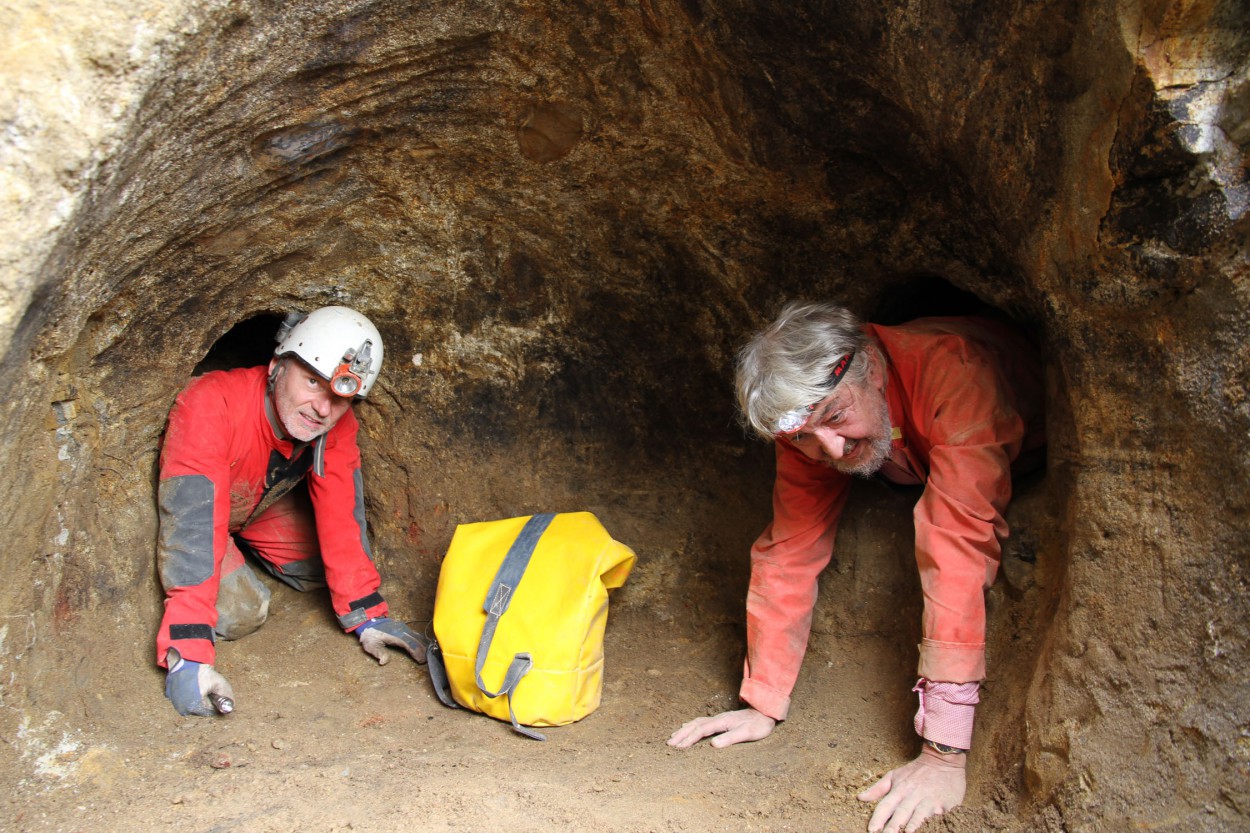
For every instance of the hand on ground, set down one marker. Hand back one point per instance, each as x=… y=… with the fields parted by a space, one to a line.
x=196 y=688
x=728 y=727
x=376 y=635
x=928 y=786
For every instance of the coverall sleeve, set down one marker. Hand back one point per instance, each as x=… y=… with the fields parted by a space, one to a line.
x=193 y=506
x=786 y=562
x=338 y=499
x=959 y=525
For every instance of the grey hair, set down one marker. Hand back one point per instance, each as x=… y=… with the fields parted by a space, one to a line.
x=279 y=368
x=787 y=366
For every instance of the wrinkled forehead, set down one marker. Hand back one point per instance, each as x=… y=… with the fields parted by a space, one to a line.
x=845 y=396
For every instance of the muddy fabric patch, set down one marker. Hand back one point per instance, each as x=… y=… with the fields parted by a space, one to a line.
x=242 y=604
x=185 y=551
x=359 y=512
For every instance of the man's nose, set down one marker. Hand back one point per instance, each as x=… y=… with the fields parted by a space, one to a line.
x=833 y=443
x=322 y=402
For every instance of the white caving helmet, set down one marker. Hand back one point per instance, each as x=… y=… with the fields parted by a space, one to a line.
x=340 y=344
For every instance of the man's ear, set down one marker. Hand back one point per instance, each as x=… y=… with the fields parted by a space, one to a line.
x=275 y=364
x=876 y=369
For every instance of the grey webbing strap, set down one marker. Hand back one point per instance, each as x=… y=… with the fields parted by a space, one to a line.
x=498 y=598
x=276 y=492
x=280 y=489
x=438 y=674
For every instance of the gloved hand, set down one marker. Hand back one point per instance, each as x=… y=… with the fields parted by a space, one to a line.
x=376 y=634
x=196 y=688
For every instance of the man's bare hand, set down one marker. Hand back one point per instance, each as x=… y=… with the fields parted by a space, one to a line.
x=928 y=786
x=728 y=727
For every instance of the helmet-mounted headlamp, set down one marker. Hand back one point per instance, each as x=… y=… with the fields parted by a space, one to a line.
x=323 y=340
x=348 y=377
x=792 y=421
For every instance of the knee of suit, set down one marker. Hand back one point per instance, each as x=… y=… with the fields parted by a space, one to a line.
x=242 y=604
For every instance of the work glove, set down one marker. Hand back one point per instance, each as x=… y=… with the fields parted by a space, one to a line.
x=196 y=688
x=376 y=634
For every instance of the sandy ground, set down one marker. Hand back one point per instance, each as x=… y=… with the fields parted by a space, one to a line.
x=324 y=739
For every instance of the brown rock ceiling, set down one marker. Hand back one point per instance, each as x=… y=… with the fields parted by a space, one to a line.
x=565 y=218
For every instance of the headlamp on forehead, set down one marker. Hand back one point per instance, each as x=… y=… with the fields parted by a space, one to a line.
x=792 y=421
x=349 y=376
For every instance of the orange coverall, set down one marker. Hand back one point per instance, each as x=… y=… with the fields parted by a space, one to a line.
x=965 y=398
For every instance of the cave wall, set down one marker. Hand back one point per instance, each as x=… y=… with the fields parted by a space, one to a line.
x=565 y=217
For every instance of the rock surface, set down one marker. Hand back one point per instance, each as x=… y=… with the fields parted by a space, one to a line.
x=565 y=218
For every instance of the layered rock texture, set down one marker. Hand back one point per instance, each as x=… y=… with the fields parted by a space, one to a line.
x=565 y=217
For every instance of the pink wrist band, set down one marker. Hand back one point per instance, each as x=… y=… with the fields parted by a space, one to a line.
x=947 y=712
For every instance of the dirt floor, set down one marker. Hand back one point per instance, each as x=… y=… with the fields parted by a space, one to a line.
x=324 y=739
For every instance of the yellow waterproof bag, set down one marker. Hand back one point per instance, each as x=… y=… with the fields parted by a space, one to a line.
x=519 y=617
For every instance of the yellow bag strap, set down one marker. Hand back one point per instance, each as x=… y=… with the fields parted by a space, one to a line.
x=498 y=598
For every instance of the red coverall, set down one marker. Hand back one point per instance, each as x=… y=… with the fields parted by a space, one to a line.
x=224 y=449
x=965 y=398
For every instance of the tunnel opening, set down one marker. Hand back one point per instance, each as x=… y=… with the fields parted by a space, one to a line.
x=671 y=625
x=923 y=295
x=248 y=343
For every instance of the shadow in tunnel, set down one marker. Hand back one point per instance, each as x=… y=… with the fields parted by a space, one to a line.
x=922 y=296
x=247 y=344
